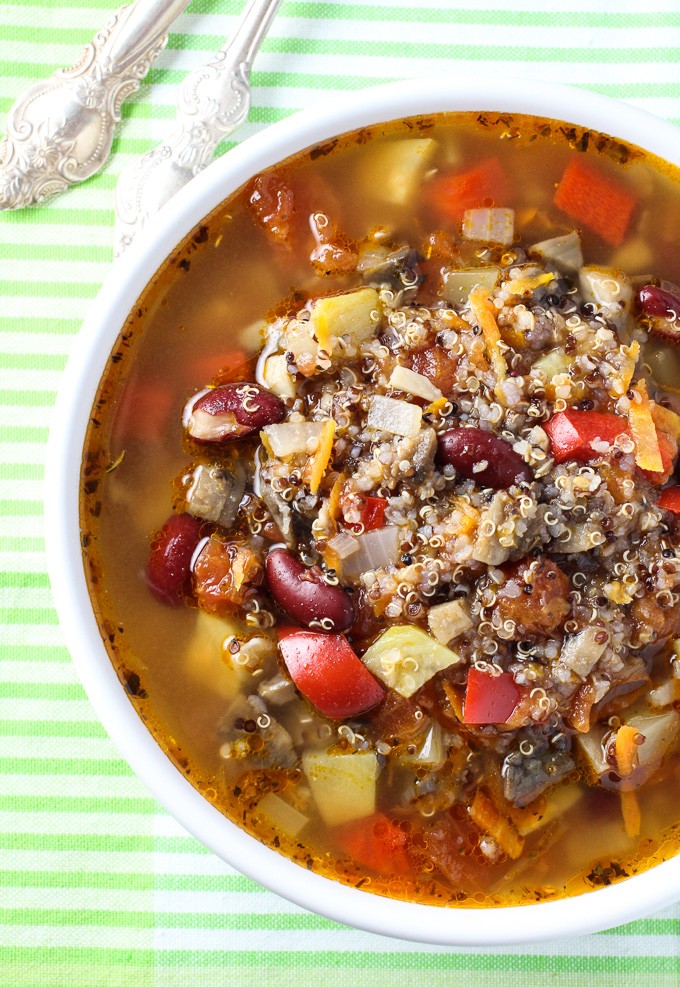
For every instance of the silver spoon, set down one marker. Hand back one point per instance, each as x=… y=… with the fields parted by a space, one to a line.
x=213 y=101
x=60 y=130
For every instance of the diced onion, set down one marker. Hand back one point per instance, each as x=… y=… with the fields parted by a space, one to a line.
x=489 y=225
x=403 y=379
x=375 y=550
x=282 y=815
x=343 y=544
x=397 y=417
x=582 y=652
x=609 y=289
x=290 y=438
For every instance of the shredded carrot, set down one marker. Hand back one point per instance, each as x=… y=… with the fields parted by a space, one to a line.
x=630 y=809
x=520 y=286
x=322 y=456
x=485 y=317
x=602 y=204
x=647 y=451
x=484 y=814
x=665 y=419
x=631 y=354
x=626 y=750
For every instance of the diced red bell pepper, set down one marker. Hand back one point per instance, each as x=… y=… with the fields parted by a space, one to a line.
x=377 y=842
x=668 y=448
x=602 y=204
x=669 y=499
x=449 y=195
x=327 y=672
x=373 y=513
x=572 y=433
x=490 y=698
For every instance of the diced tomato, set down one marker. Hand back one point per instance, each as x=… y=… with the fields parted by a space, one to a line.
x=668 y=448
x=377 y=842
x=490 y=698
x=602 y=204
x=669 y=499
x=221 y=368
x=144 y=413
x=272 y=201
x=327 y=672
x=373 y=513
x=572 y=433
x=449 y=195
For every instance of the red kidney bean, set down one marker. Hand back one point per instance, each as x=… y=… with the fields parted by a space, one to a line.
x=661 y=304
x=168 y=571
x=232 y=411
x=658 y=301
x=305 y=596
x=482 y=457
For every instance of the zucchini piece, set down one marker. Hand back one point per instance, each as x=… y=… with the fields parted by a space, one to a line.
x=405 y=658
x=458 y=284
x=343 y=785
x=349 y=314
x=400 y=164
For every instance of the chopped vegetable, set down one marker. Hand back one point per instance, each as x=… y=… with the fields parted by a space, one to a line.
x=449 y=620
x=343 y=785
x=401 y=165
x=665 y=419
x=328 y=673
x=215 y=493
x=484 y=314
x=459 y=283
x=450 y=195
x=378 y=843
x=601 y=203
x=632 y=817
x=484 y=813
x=647 y=451
x=403 y=379
x=373 y=513
x=562 y=251
x=626 y=750
x=490 y=697
x=293 y=438
x=669 y=499
x=277 y=378
x=668 y=447
x=395 y=416
x=609 y=290
x=280 y=814
x=405 y=657
x=581 y=652
x=375 y=550
x=350 y=314
x=489 y=225
x=577 y=434
x=319 y=464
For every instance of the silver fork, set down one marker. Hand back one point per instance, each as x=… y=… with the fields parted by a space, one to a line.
x=213 y=101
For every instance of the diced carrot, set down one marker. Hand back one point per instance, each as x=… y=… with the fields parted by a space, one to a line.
x=666 y=420
x=377 y=842
x=222 y=367
x=449 y=195
x=668 y=447
x=601 y=203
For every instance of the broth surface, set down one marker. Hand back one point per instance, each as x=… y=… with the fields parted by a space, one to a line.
x=203 y=314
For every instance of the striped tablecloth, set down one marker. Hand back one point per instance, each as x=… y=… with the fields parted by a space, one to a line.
x=98 y=885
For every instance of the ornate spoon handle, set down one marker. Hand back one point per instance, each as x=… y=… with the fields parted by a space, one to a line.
x=213 y=100
x=59 y=131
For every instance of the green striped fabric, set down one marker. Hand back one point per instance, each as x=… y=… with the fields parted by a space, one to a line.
x=98 y=886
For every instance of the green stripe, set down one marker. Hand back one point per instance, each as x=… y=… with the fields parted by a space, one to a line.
x=11 y=543
x=115 y=881
x=49 y=289
x=41 y=324
x=66 y=803
x=56 y=917
x=21 y=508
x=55 y=215
x=33 y=361
x=41 y=690
x=104 y=767
x=20 y=471
x=315 y=959
x=24 y=580
x=23 y=433
x=81 y=729
x=18 y=652
x=28 y=616
x=100 y=842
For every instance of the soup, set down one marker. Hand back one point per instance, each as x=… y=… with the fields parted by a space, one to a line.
x=379 y=513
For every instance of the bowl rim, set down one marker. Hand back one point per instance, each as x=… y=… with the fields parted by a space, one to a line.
x=503 y=926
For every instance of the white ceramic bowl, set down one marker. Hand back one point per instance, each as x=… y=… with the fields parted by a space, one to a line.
x=591 y=912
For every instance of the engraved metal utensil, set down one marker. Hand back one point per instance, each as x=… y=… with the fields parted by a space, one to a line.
x=60 y=131
x=213 y=100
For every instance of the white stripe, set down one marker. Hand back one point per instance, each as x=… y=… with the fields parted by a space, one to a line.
x=31 y=635
x=109 y=861
x=29 y=380
x=47 y=672
x=102 y=824
x=64 y=271
x=40 y=307
x=26 y=416
x=19 y=561
x=21 y=490
x=27 y=597
x=77 y=899
x=114 y=787
x=56 y=937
